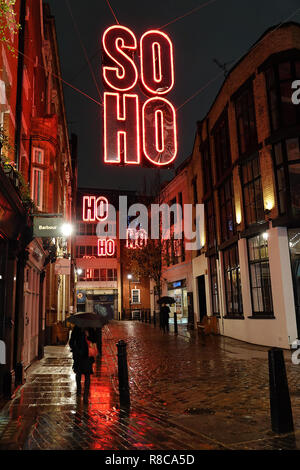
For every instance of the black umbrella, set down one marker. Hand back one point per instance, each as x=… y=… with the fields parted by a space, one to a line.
x=166 y=300
x=88 y=320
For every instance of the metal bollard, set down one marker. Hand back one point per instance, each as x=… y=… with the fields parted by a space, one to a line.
x=123 y=374
x=154 y=318
x=146 y=316
x=142 y=316
x=280 y=403
x=175 y=323
x=149 y=316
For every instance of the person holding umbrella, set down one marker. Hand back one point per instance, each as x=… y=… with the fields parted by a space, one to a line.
x=83 y=360
x=164 y=312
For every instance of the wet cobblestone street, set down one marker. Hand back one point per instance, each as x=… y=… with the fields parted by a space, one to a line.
x=187 y=392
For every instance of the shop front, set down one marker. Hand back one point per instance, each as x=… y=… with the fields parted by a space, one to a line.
x=178 y=290
x=102 y=301
x=294 y=246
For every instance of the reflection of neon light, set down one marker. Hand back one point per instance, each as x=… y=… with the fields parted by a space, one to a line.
x=150 y=131
x=116 y=40
x=157 y=79
x=106 y=247
x=159 y=131
x=121 y=126
x=89 y=274
x=136 y=238
x=156 y=54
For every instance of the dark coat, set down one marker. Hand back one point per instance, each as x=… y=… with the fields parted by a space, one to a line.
x=164 y=312
x=83 y=364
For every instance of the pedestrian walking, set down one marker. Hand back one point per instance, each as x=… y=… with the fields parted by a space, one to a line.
x=81 y=347
x=95 y=336
x=164 y=315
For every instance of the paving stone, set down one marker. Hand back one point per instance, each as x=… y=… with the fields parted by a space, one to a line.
x=187 y=392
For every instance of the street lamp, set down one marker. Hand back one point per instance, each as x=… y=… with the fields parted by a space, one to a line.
x=129 y=277
x=66 y=229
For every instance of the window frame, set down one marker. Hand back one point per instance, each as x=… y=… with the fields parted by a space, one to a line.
x=233 y=268
x=223 y=208
x=138 y=295
x=252 y=182
x=265 y=313
x=284 y=165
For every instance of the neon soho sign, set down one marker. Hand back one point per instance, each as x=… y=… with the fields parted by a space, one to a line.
x=131 y=129
x=96 y=209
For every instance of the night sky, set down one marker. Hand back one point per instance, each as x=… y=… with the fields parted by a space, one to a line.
x=222 y=30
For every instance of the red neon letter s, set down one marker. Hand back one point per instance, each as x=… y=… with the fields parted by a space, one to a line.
x=159 y=131
x=157 y=65
x=121 y=128
x=119 y=44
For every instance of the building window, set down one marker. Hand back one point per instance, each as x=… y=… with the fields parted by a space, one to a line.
x=260 y=275
x=102 y=275
x=222 y=146
x=279 y=78
x=232 y=281
x=210 y=223
x=252 y=191
x=135 y=296
x=286 y=156
x=37 y=187
x=245 y=118
x=226 y=210
x=206 y=162
x=195 y=192
x=214 y=285
x=38 y=156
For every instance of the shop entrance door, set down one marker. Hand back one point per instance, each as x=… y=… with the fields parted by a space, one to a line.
x=201 y=297
x=294 y=244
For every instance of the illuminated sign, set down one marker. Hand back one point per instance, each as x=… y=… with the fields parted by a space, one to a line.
x=136 y=238
x=125 y=140
x=106 y=247
x=94 y=209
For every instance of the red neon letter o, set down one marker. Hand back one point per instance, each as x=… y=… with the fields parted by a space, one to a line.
x=159 y=135
x=157 y=65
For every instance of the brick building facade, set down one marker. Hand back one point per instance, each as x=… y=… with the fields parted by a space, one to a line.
x=103 y=276
x=245 y=168
x=36 y=174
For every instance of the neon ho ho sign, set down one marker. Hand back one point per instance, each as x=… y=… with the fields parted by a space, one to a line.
x=132 y=129
x=96 y=209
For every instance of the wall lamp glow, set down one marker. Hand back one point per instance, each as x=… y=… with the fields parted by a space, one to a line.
x=66 y=230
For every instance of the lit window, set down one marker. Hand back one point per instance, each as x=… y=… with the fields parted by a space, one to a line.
x=37 y=187
x=135 y=296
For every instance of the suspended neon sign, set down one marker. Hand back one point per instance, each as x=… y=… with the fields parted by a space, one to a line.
x=133 y=129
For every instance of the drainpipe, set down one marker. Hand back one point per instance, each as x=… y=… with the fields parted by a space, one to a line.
x=20 y=84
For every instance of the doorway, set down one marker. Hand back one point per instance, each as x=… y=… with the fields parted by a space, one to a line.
x=201 y=297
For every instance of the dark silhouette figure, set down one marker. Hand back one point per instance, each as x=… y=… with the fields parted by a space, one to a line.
x=95 y=336
x=164 y=317
x=83 y=363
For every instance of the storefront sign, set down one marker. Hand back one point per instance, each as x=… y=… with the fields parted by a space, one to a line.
x=132 y=129
x=47 y=227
